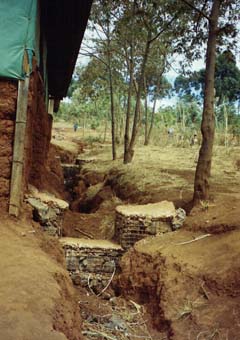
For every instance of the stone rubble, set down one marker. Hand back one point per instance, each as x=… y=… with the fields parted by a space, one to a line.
x=48 y=210
x=71 y=173
x=178 y=219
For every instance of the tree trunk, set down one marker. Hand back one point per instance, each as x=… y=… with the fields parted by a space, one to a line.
x=127 y=156
x=112 y=113
x=203 y=171
x=154 y=109
x=113 y=123
x=226 y=125
x=146 y=117
x=152 y=122
x=135 y=127
x=84 y=123
x=105 y=130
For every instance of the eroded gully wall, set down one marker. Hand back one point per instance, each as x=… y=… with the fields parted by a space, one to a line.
x=38 y=134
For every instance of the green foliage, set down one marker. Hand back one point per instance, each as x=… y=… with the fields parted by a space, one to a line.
x=121 y=32
x=227 y=81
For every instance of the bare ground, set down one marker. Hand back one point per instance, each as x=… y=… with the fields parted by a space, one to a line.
x=189 y=291
x=36 y=295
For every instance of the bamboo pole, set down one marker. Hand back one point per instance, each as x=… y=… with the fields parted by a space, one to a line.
x=18 y=150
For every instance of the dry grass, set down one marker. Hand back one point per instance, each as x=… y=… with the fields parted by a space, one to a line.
x=166 y=168
x=155 y=168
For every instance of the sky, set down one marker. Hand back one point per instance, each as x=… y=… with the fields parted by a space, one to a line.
x=171 y=75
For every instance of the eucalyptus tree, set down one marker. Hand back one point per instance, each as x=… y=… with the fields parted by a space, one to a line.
x=102 y=23
x=92 y=88
x=215 y=22
x=156 y=85
x=141 y=25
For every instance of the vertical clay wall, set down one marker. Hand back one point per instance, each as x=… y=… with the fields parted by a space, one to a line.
x=8 y=105
x=38 y=134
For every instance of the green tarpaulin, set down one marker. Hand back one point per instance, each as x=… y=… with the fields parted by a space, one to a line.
x=19 y=27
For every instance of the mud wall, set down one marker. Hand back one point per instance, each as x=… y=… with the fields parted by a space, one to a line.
x=8 y=104
x=38 y=134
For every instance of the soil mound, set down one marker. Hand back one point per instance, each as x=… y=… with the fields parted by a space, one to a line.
x=189 y=284
x=36 y=303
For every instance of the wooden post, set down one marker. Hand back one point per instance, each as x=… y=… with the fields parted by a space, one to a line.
x=50 y=106
x=18 y=150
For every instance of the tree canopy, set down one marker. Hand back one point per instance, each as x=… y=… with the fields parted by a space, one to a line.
x=227 y=80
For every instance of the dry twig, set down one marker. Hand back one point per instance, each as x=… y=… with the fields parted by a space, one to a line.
x=195 y=239
x=204 y=291
x=136 y=305
x=105 y=288
x=90 y=288
x=93 y=332
x=109 y=282
x=84 y=233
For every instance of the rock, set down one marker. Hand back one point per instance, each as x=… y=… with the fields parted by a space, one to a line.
x=178 y=219
x=37 y=204
x=47 y=210
x=47 y=198
x=81 y=161
x=117 y=323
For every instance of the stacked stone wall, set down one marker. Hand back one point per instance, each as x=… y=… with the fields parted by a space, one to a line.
x=130 y=229
x=91 y=266
x=135 y=222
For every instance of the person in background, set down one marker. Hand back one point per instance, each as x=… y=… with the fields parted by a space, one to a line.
x=170 y=133
x=75 y=127
x=193 y=139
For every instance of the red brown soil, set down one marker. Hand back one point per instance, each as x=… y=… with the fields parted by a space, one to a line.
x=53 y=180
x=8 y=95
x=191 y=290
x=37 y=298
x=38 y=134
x=99 y=225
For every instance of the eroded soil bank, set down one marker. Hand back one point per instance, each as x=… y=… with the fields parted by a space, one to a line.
x=188 y=280
x=37 y=297
x=190 y=289
x=178 y=286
